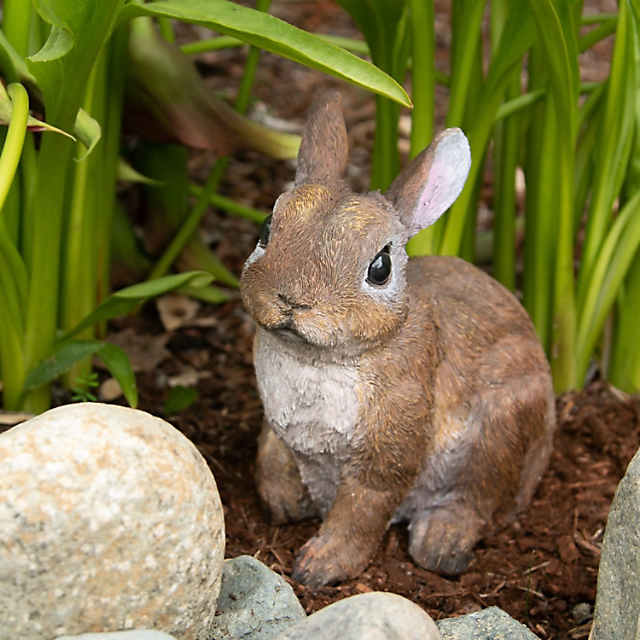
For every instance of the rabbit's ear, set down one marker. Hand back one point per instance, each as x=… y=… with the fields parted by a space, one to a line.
x=429 y=185
x=324 y=148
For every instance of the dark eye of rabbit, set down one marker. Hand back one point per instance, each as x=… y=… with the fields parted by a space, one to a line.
x=265 y=231
x=380 y=267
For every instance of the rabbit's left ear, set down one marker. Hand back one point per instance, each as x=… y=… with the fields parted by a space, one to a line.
x=429 y=185
x=324 y=149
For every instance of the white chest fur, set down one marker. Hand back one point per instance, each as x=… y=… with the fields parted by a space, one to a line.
x=313 y=406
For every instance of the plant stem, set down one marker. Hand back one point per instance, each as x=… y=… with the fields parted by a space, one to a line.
x=193 y=219
x=13 y=275
x=16 y=24
x=42 y=308
x=615 y=136
x=14 y=141
x=165 y=26
x=230 y=206
x=466 y=25
x=602 y=31
x=385 y=162
x=506 y=150
x=423 y=74
x=624 y=369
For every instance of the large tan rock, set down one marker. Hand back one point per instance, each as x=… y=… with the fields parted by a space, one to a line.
x=110 y=519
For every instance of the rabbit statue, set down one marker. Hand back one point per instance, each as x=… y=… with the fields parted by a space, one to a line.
x=393 y=389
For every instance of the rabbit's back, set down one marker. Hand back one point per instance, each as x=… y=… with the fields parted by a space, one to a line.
x=471 y=372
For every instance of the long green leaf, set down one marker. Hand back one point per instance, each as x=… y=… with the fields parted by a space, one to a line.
x=14 y=140
x=63 y=81
x=615 y=136
x=516 y=38
x=125 y=300
x=60 y=361
x=266 y=32
x=119 y=366
x=614 y=260
x=88 y=131
x=12 y=64
x=624 y=368
x=555 y=21
x=11 y=355
x=557 y=36
x=69 y=353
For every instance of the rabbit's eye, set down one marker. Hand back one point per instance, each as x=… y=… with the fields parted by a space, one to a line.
x=380 y=267
x=265 y=231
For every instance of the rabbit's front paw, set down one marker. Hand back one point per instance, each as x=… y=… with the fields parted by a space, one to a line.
x=327 y=559
x=442 y=539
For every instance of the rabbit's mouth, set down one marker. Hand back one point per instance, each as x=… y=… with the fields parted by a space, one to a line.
x=289 y=332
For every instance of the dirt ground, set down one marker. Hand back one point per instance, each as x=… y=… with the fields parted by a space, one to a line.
x=541 y=569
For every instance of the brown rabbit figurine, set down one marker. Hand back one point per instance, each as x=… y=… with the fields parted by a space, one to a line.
x=393 y=389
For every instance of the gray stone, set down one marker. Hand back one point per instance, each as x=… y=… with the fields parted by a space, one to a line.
x=254 y=602
x=136 y=634
x=617 y=611
x=374 y=616
x=489 y=624
x=109 y=520
x=582 y=613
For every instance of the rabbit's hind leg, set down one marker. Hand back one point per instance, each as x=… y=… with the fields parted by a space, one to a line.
x=280 y=487
x=442 y=538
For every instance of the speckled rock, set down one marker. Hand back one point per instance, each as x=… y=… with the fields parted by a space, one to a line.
x=109 y=520
x=491 y=623
x=374 y=616
x=255 y=603
x=617 y=611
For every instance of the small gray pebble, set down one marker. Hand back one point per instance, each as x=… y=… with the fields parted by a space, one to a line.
x=489 y=624
x=255 y=603
x=582 y=612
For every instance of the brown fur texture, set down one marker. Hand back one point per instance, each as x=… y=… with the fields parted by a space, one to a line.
x=426 y=399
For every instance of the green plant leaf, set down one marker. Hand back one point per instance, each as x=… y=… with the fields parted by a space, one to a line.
x=266 y=32
x=168 y=100
x=516 y=38
x=614 y=260
x=614 y=143
x=557 y=34
x=12 y=64
x=127 y=173
x=62 y=65
x=125 y=300
x=179 y=399
x=88 y=131
x=61 y=39
x=68 y=353
x=58 y=44
x=119 y=366
x=60 y=361
x=33 y=124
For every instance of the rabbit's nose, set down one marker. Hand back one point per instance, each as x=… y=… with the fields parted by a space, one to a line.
x=291 y=303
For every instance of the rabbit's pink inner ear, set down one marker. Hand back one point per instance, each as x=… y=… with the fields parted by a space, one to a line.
x=433 y=180
x=324 y=148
